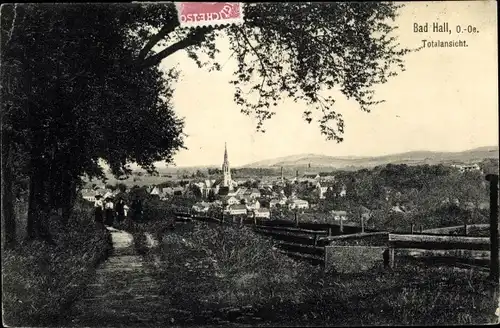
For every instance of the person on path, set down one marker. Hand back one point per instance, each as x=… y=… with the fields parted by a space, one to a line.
x=98 y=209
x=120 y=210
x=108 y=211
x=137 y=210
x=125 y=210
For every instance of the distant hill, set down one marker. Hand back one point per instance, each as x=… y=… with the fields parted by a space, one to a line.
x=410 y=158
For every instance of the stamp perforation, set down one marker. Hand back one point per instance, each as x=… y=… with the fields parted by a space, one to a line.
x=212 y=22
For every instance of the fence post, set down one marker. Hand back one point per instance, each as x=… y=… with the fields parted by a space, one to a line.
x=412 y=225
x=494 y=260
x=391 y=257
x=341 y=225
x=421 y=229
x=330 y=232
x=296 y=218
x=465 y=229
x=315 y=239
x=362 y=225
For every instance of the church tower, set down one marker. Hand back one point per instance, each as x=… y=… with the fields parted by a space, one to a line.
x=226 y=170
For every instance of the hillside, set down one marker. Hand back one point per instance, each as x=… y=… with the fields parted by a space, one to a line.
x=410 y=158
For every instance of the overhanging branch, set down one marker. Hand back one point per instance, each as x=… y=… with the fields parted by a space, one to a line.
x=193 y=38
x=164 y=31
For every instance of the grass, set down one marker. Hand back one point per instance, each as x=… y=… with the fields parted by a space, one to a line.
x=212 y=271
x=41 y=281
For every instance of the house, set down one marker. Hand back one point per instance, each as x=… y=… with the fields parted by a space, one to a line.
x=321 y=190
x=108 y=194
x=338 y=215
x=230 y=200
x=279 y=201
x=253 y=205
x=266 y=192
x=462 y=168
x=266 y=185
x=239 y=182
x=236 y=209
x=274 y=202
x=245 y=199
x=241 y=191
x=89 y=195
x=178 y=191
x=298 y=204
x=201 y=207
x=155 y=191
x=310 y=177
x=223 y=191
x=232 y=193
x=253 y=193
x=262 y=213
x=169 y=191
x=343 y=191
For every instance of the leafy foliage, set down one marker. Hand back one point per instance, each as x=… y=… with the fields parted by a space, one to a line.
x=295 y=50
x=432 y=196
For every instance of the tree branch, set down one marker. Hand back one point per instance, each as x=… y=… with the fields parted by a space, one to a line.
x=193 y=38
x=263 y=67
x=164 y=31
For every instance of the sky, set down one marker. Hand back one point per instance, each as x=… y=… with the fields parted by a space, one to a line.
x=446 y=100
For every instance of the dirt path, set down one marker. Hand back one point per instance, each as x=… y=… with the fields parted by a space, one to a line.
x=124 y=294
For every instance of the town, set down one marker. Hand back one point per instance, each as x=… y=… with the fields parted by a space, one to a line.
x=317 y=197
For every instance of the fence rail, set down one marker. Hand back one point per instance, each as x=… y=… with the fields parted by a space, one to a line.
x=355 y=236
x=435 y=244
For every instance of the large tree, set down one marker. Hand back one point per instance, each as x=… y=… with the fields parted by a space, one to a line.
x=72 y=95
x=85 y=79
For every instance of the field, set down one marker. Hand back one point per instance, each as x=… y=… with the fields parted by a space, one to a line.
x=233 y=275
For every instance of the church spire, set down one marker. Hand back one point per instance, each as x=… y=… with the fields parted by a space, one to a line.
x=226 y=160
x=226 y=170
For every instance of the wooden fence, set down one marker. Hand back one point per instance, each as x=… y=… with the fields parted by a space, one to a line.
x=435 y=245
x=302 y=239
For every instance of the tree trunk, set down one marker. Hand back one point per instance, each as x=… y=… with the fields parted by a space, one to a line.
x=37 y=208
x=8 y=215
x=68 y=198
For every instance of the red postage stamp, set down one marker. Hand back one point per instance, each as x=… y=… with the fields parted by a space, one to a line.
x=209 y=13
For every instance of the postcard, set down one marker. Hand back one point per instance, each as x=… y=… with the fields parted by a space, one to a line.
x=250 y=164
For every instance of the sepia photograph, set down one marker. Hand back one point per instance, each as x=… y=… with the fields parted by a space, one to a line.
x=237 y=164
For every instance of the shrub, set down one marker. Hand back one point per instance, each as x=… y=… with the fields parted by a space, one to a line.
x=41 y=281
x=225 y=266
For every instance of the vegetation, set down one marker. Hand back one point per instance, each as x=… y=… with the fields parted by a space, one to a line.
x=430 y=196
x=41 y=281
x=216 y=273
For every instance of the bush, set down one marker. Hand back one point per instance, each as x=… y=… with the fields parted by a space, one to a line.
x=224 y=266
x=41 y=281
